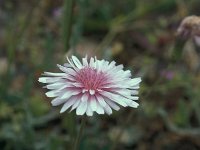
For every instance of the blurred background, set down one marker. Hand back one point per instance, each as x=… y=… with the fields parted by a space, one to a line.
x=145 y=35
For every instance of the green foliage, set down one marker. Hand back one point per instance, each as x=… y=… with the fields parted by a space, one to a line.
x=34 y=36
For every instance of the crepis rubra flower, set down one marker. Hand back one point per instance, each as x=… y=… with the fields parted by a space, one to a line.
x=91 y=86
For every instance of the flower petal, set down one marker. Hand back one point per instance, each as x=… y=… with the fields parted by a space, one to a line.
x=112 y=104
x=68 y=104
x=75 y=105
x=57 y=101
x=93 y=104
x=81 y=109
x=89 y=111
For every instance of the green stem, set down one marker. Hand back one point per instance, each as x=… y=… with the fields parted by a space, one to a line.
x=78 y=138
x=67 y=22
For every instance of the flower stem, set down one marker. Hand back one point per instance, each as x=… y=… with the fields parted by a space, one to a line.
x=78 y=138
x=67 y=22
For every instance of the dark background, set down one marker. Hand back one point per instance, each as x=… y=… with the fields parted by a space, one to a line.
x=141 y=34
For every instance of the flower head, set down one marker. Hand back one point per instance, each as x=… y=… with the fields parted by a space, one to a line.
x=91 y=86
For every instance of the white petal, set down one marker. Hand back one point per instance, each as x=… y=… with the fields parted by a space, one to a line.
x=133 y=104
x=70 y=78
x=43 y=79
x=56 y=85
x=113 y=97
x=71 y=63
x=107 y=109
x=116 y=69
x=64 y=69
x=124 y=92
x=77 y=62
x=131 y=97
x=112 y=64
x=52 y=93
x=66 y=95
x=112 y=104
x=92 y=62
x=127 y=73
x=101 y=100
x=134 y=87
x=68 y=71
x=89 y=111
x=57 y=101
x=97 y=64
x=81 y=109
x=68 y=104
x=104 y=65
x=126 y=100
x=85 y=62
x=71 y=71
x=134 y=92
x=49 y=79
x=54 y=74
x=135 y=81
x=76 y=104
x=93 y=104
x=100 y=65
x=99 y=109
x=67 y=65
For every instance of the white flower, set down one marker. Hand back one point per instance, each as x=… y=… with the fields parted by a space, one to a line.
x=91 y=86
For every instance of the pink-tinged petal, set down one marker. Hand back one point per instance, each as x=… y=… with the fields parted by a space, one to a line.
x=80 y=85
x=71 y=72
x=69 y=93
x=94 y=86
x=85 y=97
x=70 y=78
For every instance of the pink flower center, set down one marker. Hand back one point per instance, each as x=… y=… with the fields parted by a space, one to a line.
x=91 y=79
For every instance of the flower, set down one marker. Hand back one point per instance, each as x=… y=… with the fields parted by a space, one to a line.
x=91 y=86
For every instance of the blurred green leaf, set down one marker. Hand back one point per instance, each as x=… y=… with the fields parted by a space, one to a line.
x=181 y=115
